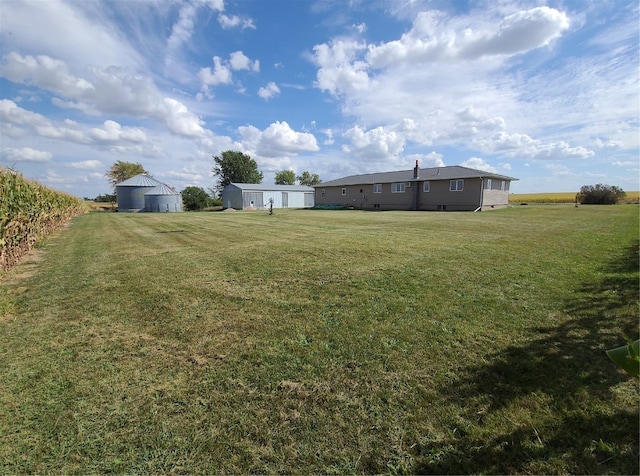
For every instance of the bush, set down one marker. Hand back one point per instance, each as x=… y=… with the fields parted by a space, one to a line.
x=195 y=198
x=600 y=194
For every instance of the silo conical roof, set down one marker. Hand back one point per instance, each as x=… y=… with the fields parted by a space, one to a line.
x=140 y=180
x=162 y=189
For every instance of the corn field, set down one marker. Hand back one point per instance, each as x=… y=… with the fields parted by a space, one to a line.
x=28 y=212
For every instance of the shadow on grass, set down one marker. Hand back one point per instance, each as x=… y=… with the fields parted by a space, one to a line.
x=560 y=387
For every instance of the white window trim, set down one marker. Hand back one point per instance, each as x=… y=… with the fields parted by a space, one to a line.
x=398 y=187
x=344 y=191
x=453 y=185
x=489 y=183
x=426 y=187
x=377 y=188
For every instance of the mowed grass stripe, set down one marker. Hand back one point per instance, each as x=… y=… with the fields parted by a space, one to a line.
x=324 y=341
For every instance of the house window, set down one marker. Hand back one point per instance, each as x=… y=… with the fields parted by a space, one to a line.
x=488 y=187
x=323 y=191
x=505 y=186
x=456 y=185
x=377 y=188
x=344 y=191
x=397 y=187
x=426 y=186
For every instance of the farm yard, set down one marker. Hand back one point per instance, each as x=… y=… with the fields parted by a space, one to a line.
x=316 y=341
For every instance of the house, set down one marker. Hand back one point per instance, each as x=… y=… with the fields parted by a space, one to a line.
x=255 y=195
x=437 y=188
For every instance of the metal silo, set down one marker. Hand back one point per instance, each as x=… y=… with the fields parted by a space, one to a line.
x=162 y=198
x=130 y=193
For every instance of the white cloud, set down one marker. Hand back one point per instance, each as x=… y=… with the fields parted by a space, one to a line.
x=183 y=28
x=222 y=71
x=517 y=33
x=239 y=61
x=44 y=72
x=340 y=69
x=25 y=154
x=181 y=121
x=437 y=38
x=277 y=140
x=112 y=90
x=269 y=91
x=11 y=112
x=87 y=164
x=432 y=159
x=479 y=164
x=374 y=145
x=524 y=146
x=360 y=27
x=232 y=21
x=78 y=34
x=114 y=132
x=221 y=74
x=329 y=134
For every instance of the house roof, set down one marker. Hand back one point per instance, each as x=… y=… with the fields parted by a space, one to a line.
x=140 y=180
x=432 y=173
x=260 y=187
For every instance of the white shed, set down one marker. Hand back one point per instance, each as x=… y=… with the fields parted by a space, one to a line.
x=242 y=196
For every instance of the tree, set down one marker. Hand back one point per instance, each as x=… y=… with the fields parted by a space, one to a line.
x=106 y=198
x=285 y=177
x=305 y=178
x=232 y=166
x=600 y=194
x=121 y=171
x=195 y=198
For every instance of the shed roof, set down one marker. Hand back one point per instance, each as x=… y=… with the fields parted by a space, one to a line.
x=260 y=187
x=140 y=180
x=432 y=173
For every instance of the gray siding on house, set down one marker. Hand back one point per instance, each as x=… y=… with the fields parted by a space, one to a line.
x=375 y=191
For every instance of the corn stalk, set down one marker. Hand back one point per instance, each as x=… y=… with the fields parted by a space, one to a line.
x=28 y=212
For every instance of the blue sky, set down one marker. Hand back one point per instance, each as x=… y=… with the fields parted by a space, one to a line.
x=547 y=92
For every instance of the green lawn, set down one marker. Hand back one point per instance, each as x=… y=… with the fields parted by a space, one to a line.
x=324 y=342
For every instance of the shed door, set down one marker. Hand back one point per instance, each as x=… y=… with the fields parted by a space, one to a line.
x=277 y=199
x=285 y=200
x=252 y=199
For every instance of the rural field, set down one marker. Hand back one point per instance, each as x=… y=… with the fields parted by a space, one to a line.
x=560 y=197
x=317 y=341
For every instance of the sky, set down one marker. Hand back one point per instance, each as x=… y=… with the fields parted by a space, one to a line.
x=543 y=91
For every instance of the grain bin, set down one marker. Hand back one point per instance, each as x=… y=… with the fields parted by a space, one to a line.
x=130 y=193
x=162 y=198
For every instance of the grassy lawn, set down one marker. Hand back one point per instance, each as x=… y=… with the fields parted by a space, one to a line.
x=324 y=342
